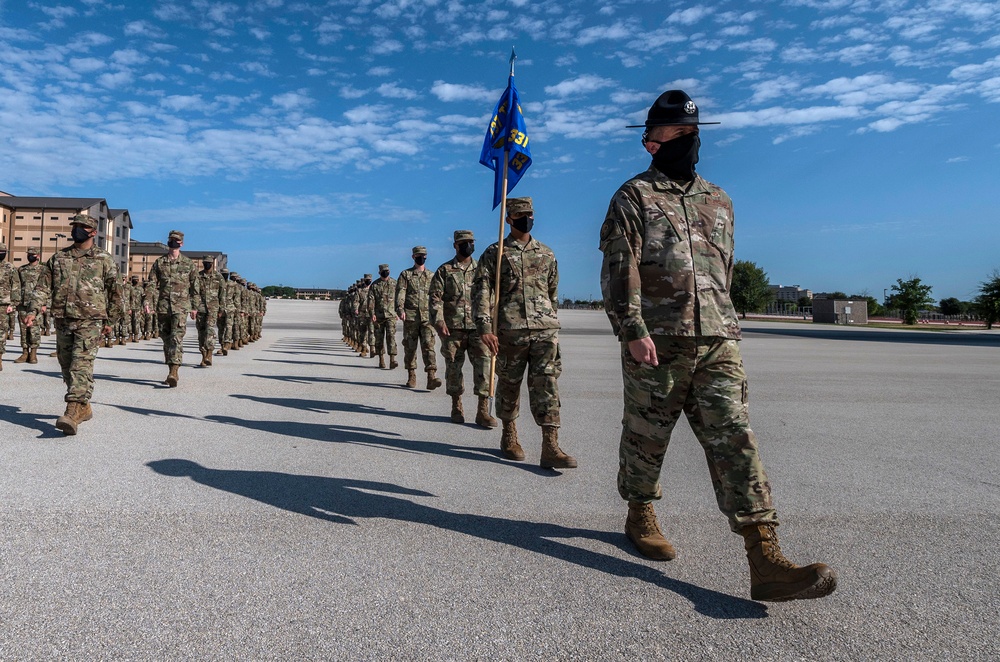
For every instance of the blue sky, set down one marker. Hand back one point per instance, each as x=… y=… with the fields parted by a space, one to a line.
x=312 y=141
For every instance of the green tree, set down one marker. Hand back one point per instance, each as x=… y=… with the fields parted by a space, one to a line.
x=805 y=302
x=910 y=296
x=988 y=301
x=750 y=290
x=953 y=306
x=874 y=307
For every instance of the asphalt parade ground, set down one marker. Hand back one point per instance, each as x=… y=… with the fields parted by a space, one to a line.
x=295 y=502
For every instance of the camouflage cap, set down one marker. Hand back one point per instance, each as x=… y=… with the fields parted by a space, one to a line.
x=208 y=258
x=233 y=274
x=383 y=267
x=519 y=206
x=32 y=250
x=3 y=246
x=176 y=234
x=463 y=235
x=419 y=250
x=368 y=276
x=85 y=220
x=224 y=271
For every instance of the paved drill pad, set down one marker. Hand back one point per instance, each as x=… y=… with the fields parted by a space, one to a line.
x=293 y=500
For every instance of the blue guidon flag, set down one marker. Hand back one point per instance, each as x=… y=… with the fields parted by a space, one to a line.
x=506 y=133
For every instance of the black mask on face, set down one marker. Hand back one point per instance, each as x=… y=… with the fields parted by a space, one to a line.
x=523 y=224
x=32 y=259
x=3 y=256
x=368 y=281
x=225 y=276
x=135 y=281
x=676 y=158
x=467 y=248
x=419 y=260
x=207 y=265
x=80 y=234
x=383 y=274
x=173 y=244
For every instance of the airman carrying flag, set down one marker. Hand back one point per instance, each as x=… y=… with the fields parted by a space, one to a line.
x=505 y=149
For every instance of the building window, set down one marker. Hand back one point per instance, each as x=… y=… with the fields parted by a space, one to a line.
x=19 y=217
x=116 y=250
x=37 y=218
x=18 y=238
x=36 y=238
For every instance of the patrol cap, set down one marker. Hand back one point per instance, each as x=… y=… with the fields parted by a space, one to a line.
x=85 y=220
x=463 y=235
x=672 y=108
x=208 y=258
x=368 y=276
x=3 y=246
x=32 y=250
x=224 y=271
x=383 y=267
x=176 y=234
x=419 y=250
x=519 y=206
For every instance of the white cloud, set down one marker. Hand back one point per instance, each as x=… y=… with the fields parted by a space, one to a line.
x=773 y=88
x=780 y=115
x=394 y=91
x=615 y=32
x=689 y=16
x=580 y=85
x=292 y=100
x=351 y=92
x=762 y=45
x=380 y=71
x=386 y=47
x=458 y=92
x=86 y=65
x=971 y=71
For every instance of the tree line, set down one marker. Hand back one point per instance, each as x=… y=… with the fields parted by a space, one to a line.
x=751 y=293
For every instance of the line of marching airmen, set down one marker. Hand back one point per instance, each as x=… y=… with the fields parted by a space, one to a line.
x=80 y=290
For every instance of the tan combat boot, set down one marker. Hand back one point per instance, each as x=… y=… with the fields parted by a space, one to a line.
x=392 y=362
x=204 y=361
x=208 y=358
x=483 y=418
x=774 y=578
x=643 y=530
x=84 y=412
x=54 y=354
x=381 y=361
x=69 y=421
x=432 y=381
x=33 y=355
x=24 y=356
x=457 y=413
x=1 y=364
x=364 y=351
x=411 y=379
x=552 y=455
x=121 y=340
x=172 y=377
x=509 y=445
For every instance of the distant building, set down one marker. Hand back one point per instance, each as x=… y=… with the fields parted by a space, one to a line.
x=313 y=293
x=840 y=311
x=142 y=255
x=44 y=223
x=790 y=293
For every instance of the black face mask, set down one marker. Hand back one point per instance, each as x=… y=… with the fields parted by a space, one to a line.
x=32 y=259
x=383 y=274
x=173 y=244
x=467 y=248
x=368 y=281
x=419 y=260
x=3 y=256
x=80 y=234
x=207 y=265
x=135 y=282
x=676 y=158
x=523 y=224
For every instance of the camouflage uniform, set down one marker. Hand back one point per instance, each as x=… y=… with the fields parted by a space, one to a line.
x=411 y=302
x=150 y=298
x=10 y=296
x=527 y=326
x=363 y=310
x=668 y=264
x=383 y=297
x=135 y=324
x=122 y=328
x=177 y=283
x=31 y=336
x=210 y=301
x=450 y=296
x=86 y=294
x=227 y=313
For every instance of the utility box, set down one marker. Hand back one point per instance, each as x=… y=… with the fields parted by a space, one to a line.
x=840 y=311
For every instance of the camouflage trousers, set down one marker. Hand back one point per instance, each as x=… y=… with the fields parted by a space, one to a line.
x=45 y=319
x=368 y=333
x=223 y=327
x=4 y=327
x=538 y=353
x=172 y=326
x=122 y=327
x=148 y=322
x=31 y=336
x=205 y=323
x=76 y=347
x=704 y=379
x=385 y=337
x=454 y=347
x=11 y=320
x=137 y=316
x=418 y=333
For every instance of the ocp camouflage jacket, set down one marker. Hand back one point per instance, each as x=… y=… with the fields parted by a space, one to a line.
x=177 y=284
x=668 y=259
x=450 y=294
x=529 y=283
x=383 y=294
x=411 y=294
x=212 y=292
x=80 y=284
x=28 y=275
x=10 y=286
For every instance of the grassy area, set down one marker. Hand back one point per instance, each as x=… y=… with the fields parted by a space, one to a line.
x=873 y=325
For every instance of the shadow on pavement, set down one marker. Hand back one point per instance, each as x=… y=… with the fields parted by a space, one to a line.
x=302 y=379
x=968 y=338
x=321 y=406
x=343 y=501
x=126 y=380
x=119 y=358
x=348 y=434
x=43 y=423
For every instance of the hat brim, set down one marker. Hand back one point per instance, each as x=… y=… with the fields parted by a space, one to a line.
x=649 y=126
